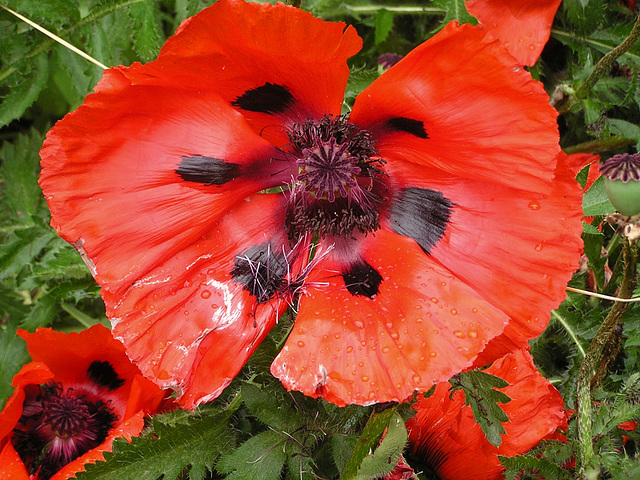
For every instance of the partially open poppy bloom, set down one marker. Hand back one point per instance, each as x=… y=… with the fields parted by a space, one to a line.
x=196 y=186
x=79 y=393
x=523 y=26
x=445 y=437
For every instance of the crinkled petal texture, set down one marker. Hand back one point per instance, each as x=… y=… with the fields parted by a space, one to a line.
x=277 y=65
x=423 y=326
x=445 y=436
x=70 y=360
x=472 y=137
x=523 y=26
x=153 y=181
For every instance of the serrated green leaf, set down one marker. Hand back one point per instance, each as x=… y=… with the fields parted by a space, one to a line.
x=269 y=406
x=51 y=11
x=383 y=24
x=13 y=355
x=262 y=456
x=385 y=457
x=455 y=11
x=32 y=78
x=146 y=32
x=368 y=441
x=595 y=201
x=625 y=129
x=481 y=395
x=20 y=166
x=341 y=448
x=42 y=314
x=23 y=249
x=198 y=444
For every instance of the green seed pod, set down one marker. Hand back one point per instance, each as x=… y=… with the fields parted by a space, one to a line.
x=622 y=182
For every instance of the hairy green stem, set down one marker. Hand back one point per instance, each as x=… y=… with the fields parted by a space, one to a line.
x=603 y=67
x=396 y=9
x=595 y=356
x=600 y=145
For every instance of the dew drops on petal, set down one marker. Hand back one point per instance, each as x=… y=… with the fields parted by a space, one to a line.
x=300 y=343
x=459 y=333
x=205 y=294
x=533 y=205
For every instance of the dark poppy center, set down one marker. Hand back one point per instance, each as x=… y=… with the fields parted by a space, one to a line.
x=339 y=182
x=56 y=427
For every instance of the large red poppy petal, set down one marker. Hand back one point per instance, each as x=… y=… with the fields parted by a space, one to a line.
x=476 y=114
x=523 y=26
x=423 y=326
x=445 y=435
x=276 y=64
x=141 y=171
x=515 y=248
x=11 y=466
x=191 y=324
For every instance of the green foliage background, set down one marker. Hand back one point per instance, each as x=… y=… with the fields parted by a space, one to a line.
x=257 y=429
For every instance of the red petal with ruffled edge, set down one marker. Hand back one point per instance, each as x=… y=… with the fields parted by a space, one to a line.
x=11 y=466
x=189 y=324
x=516 y=248
x=234 y=47
x=422 y=327
x=445 y=436
x=111 y=174
x=475 y=114
x=69 y=355
x=523 y=26
x=67 y=359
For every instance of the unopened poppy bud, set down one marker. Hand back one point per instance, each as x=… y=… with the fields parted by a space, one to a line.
x=622 y=182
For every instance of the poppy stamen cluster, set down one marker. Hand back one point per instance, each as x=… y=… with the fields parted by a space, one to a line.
x=58 y=426
x=339 y=182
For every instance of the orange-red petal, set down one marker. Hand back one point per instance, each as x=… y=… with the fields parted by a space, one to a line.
x=481 y=116
x=234 y=47
x=110 y=174
x=523 y=26
x=516 y=248
x=188 y=324
x=423 y=326
x=445 y=436
x=11 y=466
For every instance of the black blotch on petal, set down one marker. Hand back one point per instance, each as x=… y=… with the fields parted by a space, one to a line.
x=268 y=98
x=262 y=271
x=207 y=170
x=422 y=214
x=408 y=125
x=362 y=279
x=103 y=374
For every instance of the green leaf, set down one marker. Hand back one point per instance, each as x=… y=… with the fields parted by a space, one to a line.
x=625 y=129
x=13 y=355
x=480 y=393
x=373 y=430
x=146 y=30
x=269 y=406
x=24 y=88
x=595 y=201
x=455 y=11
x=197 y=443
x=342 y=446
x=386 y=456
x=262 y=456
x=383 y=24
x=25 y=246
x=20 y=166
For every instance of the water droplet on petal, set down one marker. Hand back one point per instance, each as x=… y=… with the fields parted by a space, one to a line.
x=539 y=247
x=454 y=311
x=385 y=349
x=434 y=299
x=205 y=294
x=533 y=205
x=300 y=343
x=358 y=324
x=472 y=334
x=459 y=333
x=432 y=354
x=364 y=378
x=416 y=378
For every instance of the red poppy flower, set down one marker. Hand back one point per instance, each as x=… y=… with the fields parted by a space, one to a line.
x=523 y=26
x=444 y=435
x=197 y=185
x=79 y=393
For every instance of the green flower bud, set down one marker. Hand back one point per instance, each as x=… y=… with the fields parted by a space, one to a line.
x=622 y=182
